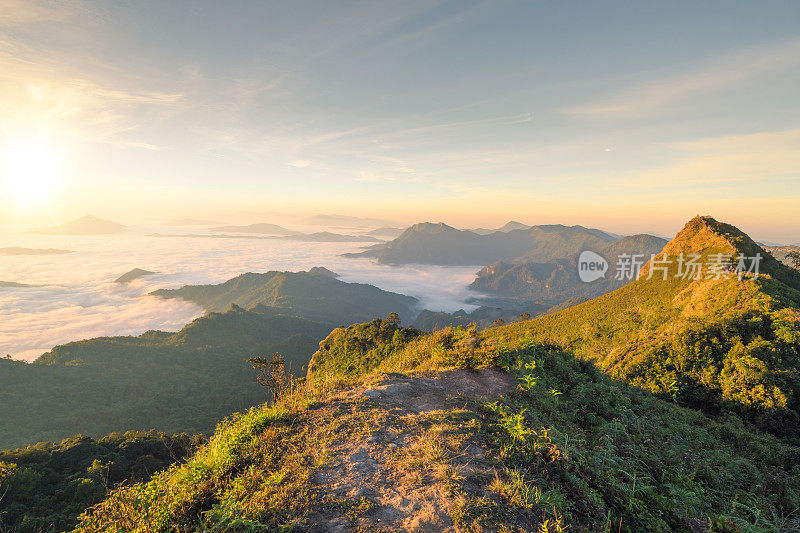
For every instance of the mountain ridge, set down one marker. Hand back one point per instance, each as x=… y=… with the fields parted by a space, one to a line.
x=87 y=225
x=440 y=244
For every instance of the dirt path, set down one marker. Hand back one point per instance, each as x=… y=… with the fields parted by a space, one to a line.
x=419 y=439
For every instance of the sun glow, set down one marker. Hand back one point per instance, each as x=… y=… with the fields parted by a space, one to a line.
x=31 y=171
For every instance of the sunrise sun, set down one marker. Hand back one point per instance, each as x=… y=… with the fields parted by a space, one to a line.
x=30 y=171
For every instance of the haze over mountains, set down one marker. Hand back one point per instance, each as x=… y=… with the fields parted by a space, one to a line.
x=19 y=250
x=557 y=280
x=315 y=294
x=188 y=380
x=440 y=244
x=88 y=225
x=11 y=285
x=132 y=275
x=681 y=383
x=183 y=381
x=260 y=227
x=248 y=232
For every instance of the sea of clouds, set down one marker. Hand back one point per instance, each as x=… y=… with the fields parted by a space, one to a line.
x=74 y=296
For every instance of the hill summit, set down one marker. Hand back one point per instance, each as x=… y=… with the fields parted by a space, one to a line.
x=521 y=427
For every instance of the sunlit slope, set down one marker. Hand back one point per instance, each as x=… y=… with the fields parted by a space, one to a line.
x=395 y=430
x=708 y=342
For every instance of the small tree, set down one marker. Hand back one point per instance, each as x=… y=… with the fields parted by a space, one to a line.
x=794 y=257
x=272 y=374
x=393 y=319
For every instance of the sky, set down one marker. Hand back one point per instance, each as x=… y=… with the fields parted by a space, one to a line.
x=628 y=116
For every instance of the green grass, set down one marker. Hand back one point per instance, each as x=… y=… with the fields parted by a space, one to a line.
x=570 y=446
x=640 y=411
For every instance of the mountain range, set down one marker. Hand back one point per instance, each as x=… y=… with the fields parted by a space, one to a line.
x=261 y=228
x=190 y=379
x=17 y=250
x=557 y=281
x=440 y=244
x=315 y=294
x=88 y=225
x=669 y=404
x=321 y=236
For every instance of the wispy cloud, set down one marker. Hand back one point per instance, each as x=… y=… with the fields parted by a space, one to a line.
x=656 y=95
x=373 y=177
x=41 y=82
x=730 y=160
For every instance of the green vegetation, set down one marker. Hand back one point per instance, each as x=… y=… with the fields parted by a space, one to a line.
x=315 y=294
x=191 y=379
x=46 y=486
x=794 y=258
x=556 y=281
x=578 y=442
x=568 y=448
x=483 y=316
x=711 y=344
x=173 y=382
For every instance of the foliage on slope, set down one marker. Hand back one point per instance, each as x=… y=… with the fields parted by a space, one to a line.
x=570 y=448
x=715 y=344
x=183 y=381
x=557 y=281
x=46 y=486
x=315 y=294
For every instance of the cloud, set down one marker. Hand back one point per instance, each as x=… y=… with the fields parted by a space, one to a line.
x=20 y=13
x=75 y=297
x=66 y=88
x=373 y=177
x=299 y=163
x=726 y=160
x=657 y=95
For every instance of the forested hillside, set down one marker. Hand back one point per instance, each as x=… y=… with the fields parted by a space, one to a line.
x=716 y=343
x=176 y=382
x=315 y=294
x=667 y=405
x=44 y=487
x=388 y=434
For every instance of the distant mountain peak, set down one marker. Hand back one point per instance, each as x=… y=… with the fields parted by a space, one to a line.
x=133 y=274
x=431 y=227
x=322 y=271
x=512 y=225
x=86 y=225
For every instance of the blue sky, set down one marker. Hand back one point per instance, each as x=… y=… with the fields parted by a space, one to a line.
x=631 y=116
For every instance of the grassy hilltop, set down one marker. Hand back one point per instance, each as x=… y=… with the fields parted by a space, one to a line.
x=639 y=411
